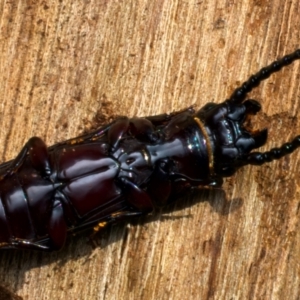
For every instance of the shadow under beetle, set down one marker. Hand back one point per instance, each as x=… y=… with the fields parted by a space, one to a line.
x=128 y=168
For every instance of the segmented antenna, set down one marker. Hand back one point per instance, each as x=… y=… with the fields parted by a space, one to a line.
x=239 y=94
x=259 y=158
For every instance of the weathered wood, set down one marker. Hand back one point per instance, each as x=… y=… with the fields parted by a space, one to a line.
x=65 y=62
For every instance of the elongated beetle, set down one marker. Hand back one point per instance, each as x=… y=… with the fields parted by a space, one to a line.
x=128 y=168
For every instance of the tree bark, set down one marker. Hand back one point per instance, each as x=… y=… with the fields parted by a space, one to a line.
x=67 y=66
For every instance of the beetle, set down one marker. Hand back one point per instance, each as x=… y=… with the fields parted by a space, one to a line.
x=128 y=168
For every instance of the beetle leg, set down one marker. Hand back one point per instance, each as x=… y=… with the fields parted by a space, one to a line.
x=137 y=197
x=119 y=216
x=92 y=136
x=162 y=119
x=159 y=187
x=38 y=155
x=159 y=119
x=143 y=130
x=207 y=107
x=57 y=226
x=113 y=218
x=116 y=131
x=57 y=230
x=25 y=244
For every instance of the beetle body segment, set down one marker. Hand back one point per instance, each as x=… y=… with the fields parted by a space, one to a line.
x=98 y=178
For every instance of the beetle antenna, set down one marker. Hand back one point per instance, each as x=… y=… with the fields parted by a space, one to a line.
x=239 y=94
x=259 y=158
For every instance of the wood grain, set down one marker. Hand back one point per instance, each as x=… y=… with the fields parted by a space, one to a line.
x=65 y=65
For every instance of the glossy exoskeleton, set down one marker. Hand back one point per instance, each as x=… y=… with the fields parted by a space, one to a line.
x=128 y=168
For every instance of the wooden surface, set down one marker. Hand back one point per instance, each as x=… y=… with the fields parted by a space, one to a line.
x=65 y=65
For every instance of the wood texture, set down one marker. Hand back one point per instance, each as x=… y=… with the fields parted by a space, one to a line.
x=65 y=65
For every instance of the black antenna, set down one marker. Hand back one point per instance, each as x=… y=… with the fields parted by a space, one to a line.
x=259 y=158
x=239 y=94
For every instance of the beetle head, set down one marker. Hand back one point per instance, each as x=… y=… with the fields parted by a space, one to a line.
x=230 y=141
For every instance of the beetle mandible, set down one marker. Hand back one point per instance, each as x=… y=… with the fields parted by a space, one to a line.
x=128 y=168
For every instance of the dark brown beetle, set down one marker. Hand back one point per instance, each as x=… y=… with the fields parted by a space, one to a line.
x=128 y=168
